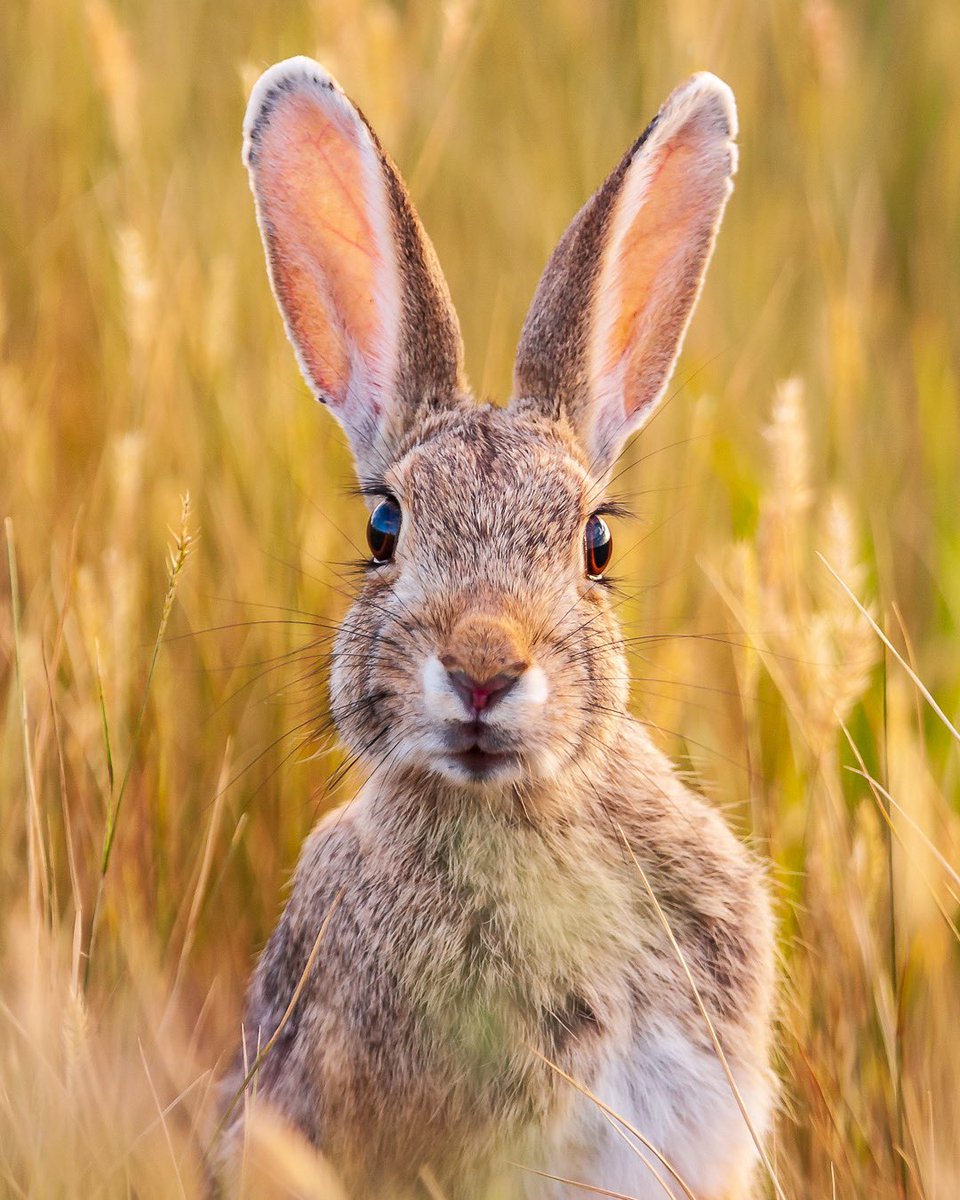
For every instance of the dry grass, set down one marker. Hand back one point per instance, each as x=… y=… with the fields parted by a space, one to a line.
x=141 y=359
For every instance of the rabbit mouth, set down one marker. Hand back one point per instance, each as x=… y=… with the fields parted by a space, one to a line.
x=469 y=748
x=481 y=763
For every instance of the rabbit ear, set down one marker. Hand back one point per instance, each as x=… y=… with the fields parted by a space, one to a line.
x=357 y=281
x=608 y=318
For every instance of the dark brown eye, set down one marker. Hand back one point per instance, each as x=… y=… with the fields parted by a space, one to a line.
x=597 y=547
x=383 y=528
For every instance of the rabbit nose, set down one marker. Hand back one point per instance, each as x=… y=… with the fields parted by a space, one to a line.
x=481 y=694
x=484 y=656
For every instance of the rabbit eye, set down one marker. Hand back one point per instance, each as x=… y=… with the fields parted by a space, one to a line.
x=383 y=529
x=597 y=547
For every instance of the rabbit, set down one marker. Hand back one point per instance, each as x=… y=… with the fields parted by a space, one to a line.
x=525 y=950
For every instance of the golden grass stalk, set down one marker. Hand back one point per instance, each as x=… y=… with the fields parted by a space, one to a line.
x=914 y=677
x=592 y=1189
x=37 y=881
x=184 y=541
x=141 y=356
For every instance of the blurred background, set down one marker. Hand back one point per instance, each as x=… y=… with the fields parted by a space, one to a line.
x=163 y=745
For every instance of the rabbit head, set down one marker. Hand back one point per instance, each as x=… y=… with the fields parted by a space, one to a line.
x=482 y=647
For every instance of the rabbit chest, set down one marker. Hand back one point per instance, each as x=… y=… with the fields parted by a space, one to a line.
x=464 y=960
x=452 y=973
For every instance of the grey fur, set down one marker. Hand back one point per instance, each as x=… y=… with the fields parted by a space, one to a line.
x=480 y=926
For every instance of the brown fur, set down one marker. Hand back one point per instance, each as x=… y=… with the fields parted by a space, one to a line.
x=480 y=926
x=485 y=645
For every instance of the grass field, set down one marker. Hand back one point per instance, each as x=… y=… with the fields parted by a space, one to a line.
x=162 y=752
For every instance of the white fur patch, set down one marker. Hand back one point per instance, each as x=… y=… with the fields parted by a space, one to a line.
x=678 y=1096
x=440 y=701
x=534 y=688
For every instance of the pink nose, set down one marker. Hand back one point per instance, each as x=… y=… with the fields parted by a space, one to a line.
x=481 y=694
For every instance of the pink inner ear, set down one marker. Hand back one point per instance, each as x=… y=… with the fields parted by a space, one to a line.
x=312 y=180
x=659 y=231
x=662 y=237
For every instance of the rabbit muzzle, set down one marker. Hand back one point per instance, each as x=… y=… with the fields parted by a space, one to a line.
x=484 y=657
x=483 y=665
